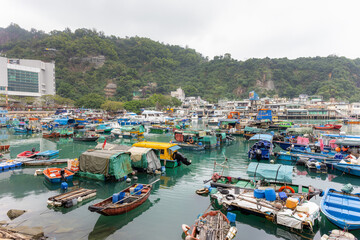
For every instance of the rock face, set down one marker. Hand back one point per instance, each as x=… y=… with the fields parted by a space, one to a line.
x=13 y=213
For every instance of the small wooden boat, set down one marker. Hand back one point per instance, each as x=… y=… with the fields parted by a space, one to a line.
x=128 y=202
x=338 y=235
x=342 y=209
x=54 y=175
x=214 y=224
x=27 y=154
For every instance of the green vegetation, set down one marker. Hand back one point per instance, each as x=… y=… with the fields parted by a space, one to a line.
x=154 y=69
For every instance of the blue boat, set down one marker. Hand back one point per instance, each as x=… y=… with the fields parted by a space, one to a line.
x=353 y=169
x=262 y=149
x=342 y=209
x=49 y=154
x=287 y=145
x=293 y=157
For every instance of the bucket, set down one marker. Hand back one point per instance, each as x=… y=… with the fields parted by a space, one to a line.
x=258 y=193
x=270 y=194
x=132 y=190
x=231 y=216
x=64 y=185
x=115 y=197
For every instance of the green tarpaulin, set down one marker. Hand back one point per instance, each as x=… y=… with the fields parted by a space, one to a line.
x=110 y=163
x=274 y=172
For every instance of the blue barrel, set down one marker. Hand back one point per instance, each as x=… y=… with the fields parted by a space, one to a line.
x=64 y=185
x=115 y=197
x=258 y=193
x=231 y=216
x=270 y=194
x=121 y=196
x=138 y=189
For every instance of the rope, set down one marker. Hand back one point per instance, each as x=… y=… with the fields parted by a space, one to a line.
x=277 y=172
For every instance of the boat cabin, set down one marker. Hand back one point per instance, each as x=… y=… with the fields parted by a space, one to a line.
x=169 y=155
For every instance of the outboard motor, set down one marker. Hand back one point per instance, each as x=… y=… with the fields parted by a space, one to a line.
x=180 y=158
x=62 y=174
x=258 y=153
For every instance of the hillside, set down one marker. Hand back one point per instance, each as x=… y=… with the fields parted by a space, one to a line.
x=86 y=60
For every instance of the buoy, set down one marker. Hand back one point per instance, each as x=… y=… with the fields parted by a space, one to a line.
x=64 y=185
x=128 y=180
x=272 y=161
x=135 y=178
x=80 y=199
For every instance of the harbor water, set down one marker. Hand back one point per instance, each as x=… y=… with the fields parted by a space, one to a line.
x=173 y=201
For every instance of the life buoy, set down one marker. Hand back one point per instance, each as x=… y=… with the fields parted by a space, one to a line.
x=185 y=229
x=286 y=187
x=191 y=141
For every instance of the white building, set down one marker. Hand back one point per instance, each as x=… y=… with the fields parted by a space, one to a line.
x=179 y=94
x=23 y=77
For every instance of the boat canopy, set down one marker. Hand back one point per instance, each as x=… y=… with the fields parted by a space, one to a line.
x=64 y=121
x=174 y=148
x=275 y=172
x=145 y=158
x=348 y=142
x=340 y=136
x=253 y=129
x=264 y=137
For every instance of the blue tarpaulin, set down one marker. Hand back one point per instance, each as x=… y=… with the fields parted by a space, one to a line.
x=265 y=137
x=275 y=172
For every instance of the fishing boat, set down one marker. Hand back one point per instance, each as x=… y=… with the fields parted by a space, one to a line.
x=55 y=175
x=27 y=154
x=86 y=136
x=328 y=127
x=342 y=209
x=337 y=234
x=261 y=150
x=214 y=224
x=169 y=155
x=127 y=200
x=288 y=209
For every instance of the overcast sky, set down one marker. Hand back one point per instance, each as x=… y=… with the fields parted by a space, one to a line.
x=243 y=28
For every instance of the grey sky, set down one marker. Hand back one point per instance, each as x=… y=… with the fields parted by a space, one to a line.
x=243 y=28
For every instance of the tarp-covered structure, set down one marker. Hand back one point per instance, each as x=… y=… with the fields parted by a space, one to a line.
x=146 y=159
x=105 y=164
x=274 y=172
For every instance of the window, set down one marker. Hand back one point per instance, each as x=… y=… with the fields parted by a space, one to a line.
x=22 y=81
x=161 y=151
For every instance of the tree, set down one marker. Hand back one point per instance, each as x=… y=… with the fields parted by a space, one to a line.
x=91 y=100
x=112 y=106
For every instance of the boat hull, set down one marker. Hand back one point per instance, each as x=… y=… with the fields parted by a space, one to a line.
x=341 y=209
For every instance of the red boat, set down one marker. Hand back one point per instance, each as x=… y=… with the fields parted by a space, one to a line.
x=125 y=204
x=27 y=154
x=328 y=127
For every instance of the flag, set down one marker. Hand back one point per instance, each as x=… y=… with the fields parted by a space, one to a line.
x=103 y=146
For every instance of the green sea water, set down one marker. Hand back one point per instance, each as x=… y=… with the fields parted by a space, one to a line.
x=172 y=202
